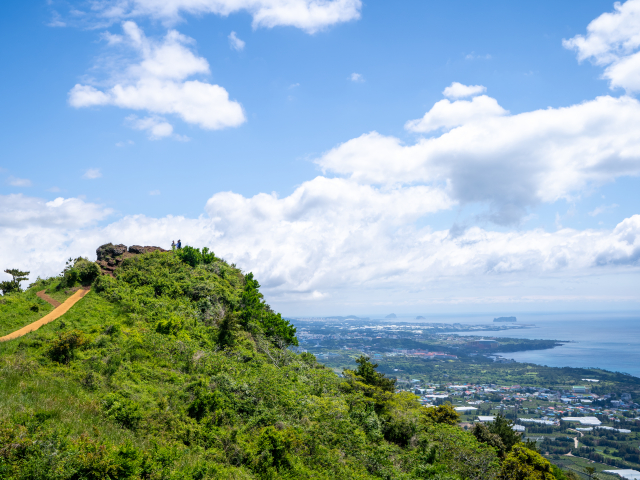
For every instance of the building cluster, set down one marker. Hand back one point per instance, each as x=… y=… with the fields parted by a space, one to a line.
x=577 y=405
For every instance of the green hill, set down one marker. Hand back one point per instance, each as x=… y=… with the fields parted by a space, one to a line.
x=174 y=367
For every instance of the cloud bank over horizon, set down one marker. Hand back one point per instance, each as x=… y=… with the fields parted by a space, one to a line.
x=333 y=240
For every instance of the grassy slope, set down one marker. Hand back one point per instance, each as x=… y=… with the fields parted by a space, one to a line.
x=16 y=311
x=149 y=392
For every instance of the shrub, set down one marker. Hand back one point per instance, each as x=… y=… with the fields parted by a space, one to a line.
x=443 y=414
x=87 y=271
x=193 y=256
x=124 y=411
x=524 y=464
x=399 y=430
x=62 y=349
x=169 y=326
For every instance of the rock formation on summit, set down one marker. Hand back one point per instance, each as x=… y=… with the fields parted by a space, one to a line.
x=110 y=256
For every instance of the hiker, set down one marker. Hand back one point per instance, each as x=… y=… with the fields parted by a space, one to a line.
x=173 y=244
x=179 y=244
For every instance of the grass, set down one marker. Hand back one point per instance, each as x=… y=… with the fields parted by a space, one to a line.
x=19 y=310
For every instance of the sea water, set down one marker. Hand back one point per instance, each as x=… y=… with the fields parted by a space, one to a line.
x=602 y=340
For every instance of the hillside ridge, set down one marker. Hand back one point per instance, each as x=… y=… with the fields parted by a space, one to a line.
x=174 y=367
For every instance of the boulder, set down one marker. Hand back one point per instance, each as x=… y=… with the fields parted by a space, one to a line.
x=109 y=250
x=137 y=249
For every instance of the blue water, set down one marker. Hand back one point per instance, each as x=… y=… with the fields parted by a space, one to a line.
x=603 y=340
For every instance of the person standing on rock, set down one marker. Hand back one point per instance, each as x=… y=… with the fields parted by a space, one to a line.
x=179 y=244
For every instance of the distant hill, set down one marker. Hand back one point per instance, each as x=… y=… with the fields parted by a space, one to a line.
x=348 y=317
x=419 y=317
x=391 y=315
x=505 y=319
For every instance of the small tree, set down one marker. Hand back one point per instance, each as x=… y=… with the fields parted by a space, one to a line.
x=366 y=373
x=13 y=285
x=524 y=464
x=445 y=414
x=591 y=472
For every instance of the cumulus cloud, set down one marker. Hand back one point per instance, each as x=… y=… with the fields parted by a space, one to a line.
x=612 y=40
x=308 y=15
x=329 y=239
x=92 y=174
x=18 y=211
x=19 y=182
x=508 y=162
x=235 y=43
x=356 y=78
x=446 y=114
x=158 y=83
x=458 y=90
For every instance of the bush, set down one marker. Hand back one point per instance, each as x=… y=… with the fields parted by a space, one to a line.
x=524 y=464
x=124 y=411
x=87 y=271
x=62 y=349
x=82 y=271
x=443 y=414
x=193 y=256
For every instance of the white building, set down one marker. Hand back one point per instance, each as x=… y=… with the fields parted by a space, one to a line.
x=626 y=474
x=593 y=421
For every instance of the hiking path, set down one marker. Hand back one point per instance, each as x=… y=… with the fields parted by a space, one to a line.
x=49 y=317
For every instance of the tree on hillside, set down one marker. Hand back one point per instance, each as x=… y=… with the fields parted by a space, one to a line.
x=366 y=373
x=442 y=414
x=13 y=285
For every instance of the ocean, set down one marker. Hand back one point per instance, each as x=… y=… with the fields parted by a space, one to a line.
x=603 y=340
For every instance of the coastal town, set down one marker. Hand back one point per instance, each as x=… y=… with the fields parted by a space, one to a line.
x=578 y=418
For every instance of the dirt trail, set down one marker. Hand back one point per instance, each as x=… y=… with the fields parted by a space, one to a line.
x=50 y=317
x=48 y=299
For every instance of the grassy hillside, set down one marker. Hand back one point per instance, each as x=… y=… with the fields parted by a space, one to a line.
x=176 y=369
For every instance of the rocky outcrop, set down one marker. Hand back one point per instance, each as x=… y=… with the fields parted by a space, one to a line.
x=137 y=249
x=111 y=256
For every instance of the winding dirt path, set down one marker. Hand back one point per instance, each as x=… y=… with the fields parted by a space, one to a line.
x=48 y=299
x=49 y=317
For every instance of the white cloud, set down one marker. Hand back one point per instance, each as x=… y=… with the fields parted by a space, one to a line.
x=457 y=90
x=445 y=114
x=507 y=162
x=308 y=15
x=125 y=144
x=473 y=56
x=356 y=77
x=158 y=84
x=331 y=238
x=613 y=40
x=19 y=182
x=154 y=192
x=92 y=174
x=19 y=211
x=156 y=127
x=235 y=43
x=602 y=209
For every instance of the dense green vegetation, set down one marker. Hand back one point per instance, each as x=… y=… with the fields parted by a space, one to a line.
x=176 y=368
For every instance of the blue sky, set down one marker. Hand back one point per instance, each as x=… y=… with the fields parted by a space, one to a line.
x=519 y=195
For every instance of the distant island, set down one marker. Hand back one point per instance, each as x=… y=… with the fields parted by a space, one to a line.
x=505 y=319
x=419 y=317
x=348 y=317
x=391 y=315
